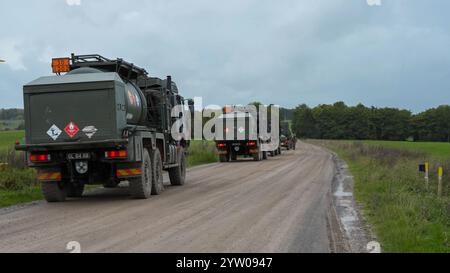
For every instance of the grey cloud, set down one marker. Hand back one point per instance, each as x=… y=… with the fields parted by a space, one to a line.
x=284 y=52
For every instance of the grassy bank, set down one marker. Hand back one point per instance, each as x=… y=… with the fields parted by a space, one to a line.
x=17 y=183
x=202 y=152
x=406 y=215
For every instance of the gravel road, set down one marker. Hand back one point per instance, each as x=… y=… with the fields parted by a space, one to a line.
x=277 y=205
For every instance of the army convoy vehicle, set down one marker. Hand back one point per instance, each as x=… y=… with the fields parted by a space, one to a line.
x=240 y=137
x=288 y=139
x=102 y=122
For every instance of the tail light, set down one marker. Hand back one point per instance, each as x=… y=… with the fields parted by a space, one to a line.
x=251 y=143
x=116 y=154
x=221 y=145
x=40 y=157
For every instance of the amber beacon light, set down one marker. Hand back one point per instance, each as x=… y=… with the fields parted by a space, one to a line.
x=60 y=65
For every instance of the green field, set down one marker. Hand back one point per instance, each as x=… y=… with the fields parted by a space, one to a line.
x=405 y=214
x=436 y=149
x=8 y=138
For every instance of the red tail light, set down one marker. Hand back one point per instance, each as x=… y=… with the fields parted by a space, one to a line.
x=251 y=143
x=221 y=145
x=116 y=154
x=40 y=157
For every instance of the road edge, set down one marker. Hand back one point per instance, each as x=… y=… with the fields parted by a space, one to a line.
x=348 y=230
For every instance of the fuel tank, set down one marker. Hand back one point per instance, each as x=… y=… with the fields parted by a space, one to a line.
x=135 y=101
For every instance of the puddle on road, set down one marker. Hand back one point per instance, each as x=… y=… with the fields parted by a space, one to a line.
x=346 y=208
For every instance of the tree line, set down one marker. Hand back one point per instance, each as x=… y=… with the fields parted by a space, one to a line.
x=339 y=121
x=11 y=114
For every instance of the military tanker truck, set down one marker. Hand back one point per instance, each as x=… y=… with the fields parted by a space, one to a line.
x=101 y=122
x=241 y=136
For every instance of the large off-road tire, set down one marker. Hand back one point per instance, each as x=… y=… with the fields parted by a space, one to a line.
x=224 y=158
x=53 y=191
x=75 y=190
x=177 y=175
x=157 y=173
x=233 y=156
x=279 y=151
x=141 y=187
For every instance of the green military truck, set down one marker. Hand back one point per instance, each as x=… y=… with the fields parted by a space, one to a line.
x=288 y=139
x=240 y=136
x=102 y=121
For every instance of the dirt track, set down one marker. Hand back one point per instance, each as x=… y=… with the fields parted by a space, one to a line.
x=277 y=205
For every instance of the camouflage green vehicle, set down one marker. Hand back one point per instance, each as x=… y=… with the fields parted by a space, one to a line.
x=102 y=122
x=241 y=136
x=288 y=139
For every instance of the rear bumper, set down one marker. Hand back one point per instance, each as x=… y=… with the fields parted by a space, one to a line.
x=71 y=145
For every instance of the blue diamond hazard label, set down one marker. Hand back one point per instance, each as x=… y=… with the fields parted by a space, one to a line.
x=54 y=132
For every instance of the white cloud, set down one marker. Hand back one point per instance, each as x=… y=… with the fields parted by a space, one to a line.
x=374 y=2
x=73 y=2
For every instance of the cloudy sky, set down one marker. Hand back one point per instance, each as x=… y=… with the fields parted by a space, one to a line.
x=285 y=52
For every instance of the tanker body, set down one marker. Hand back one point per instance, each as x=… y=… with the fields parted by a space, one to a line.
x=103 y=122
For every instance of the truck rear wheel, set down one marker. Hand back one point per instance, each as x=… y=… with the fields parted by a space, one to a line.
x=177 y=175
x=157 y=176
x=75 y=190
x=264 y=155
x=233 y=156
x=141 y=187
x=53 y=191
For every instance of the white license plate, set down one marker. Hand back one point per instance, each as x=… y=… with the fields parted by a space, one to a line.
x=72 y=156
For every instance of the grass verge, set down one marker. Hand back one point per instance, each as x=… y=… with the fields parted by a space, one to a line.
x=202 y=152
x=406 y=215
x=18 y=186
